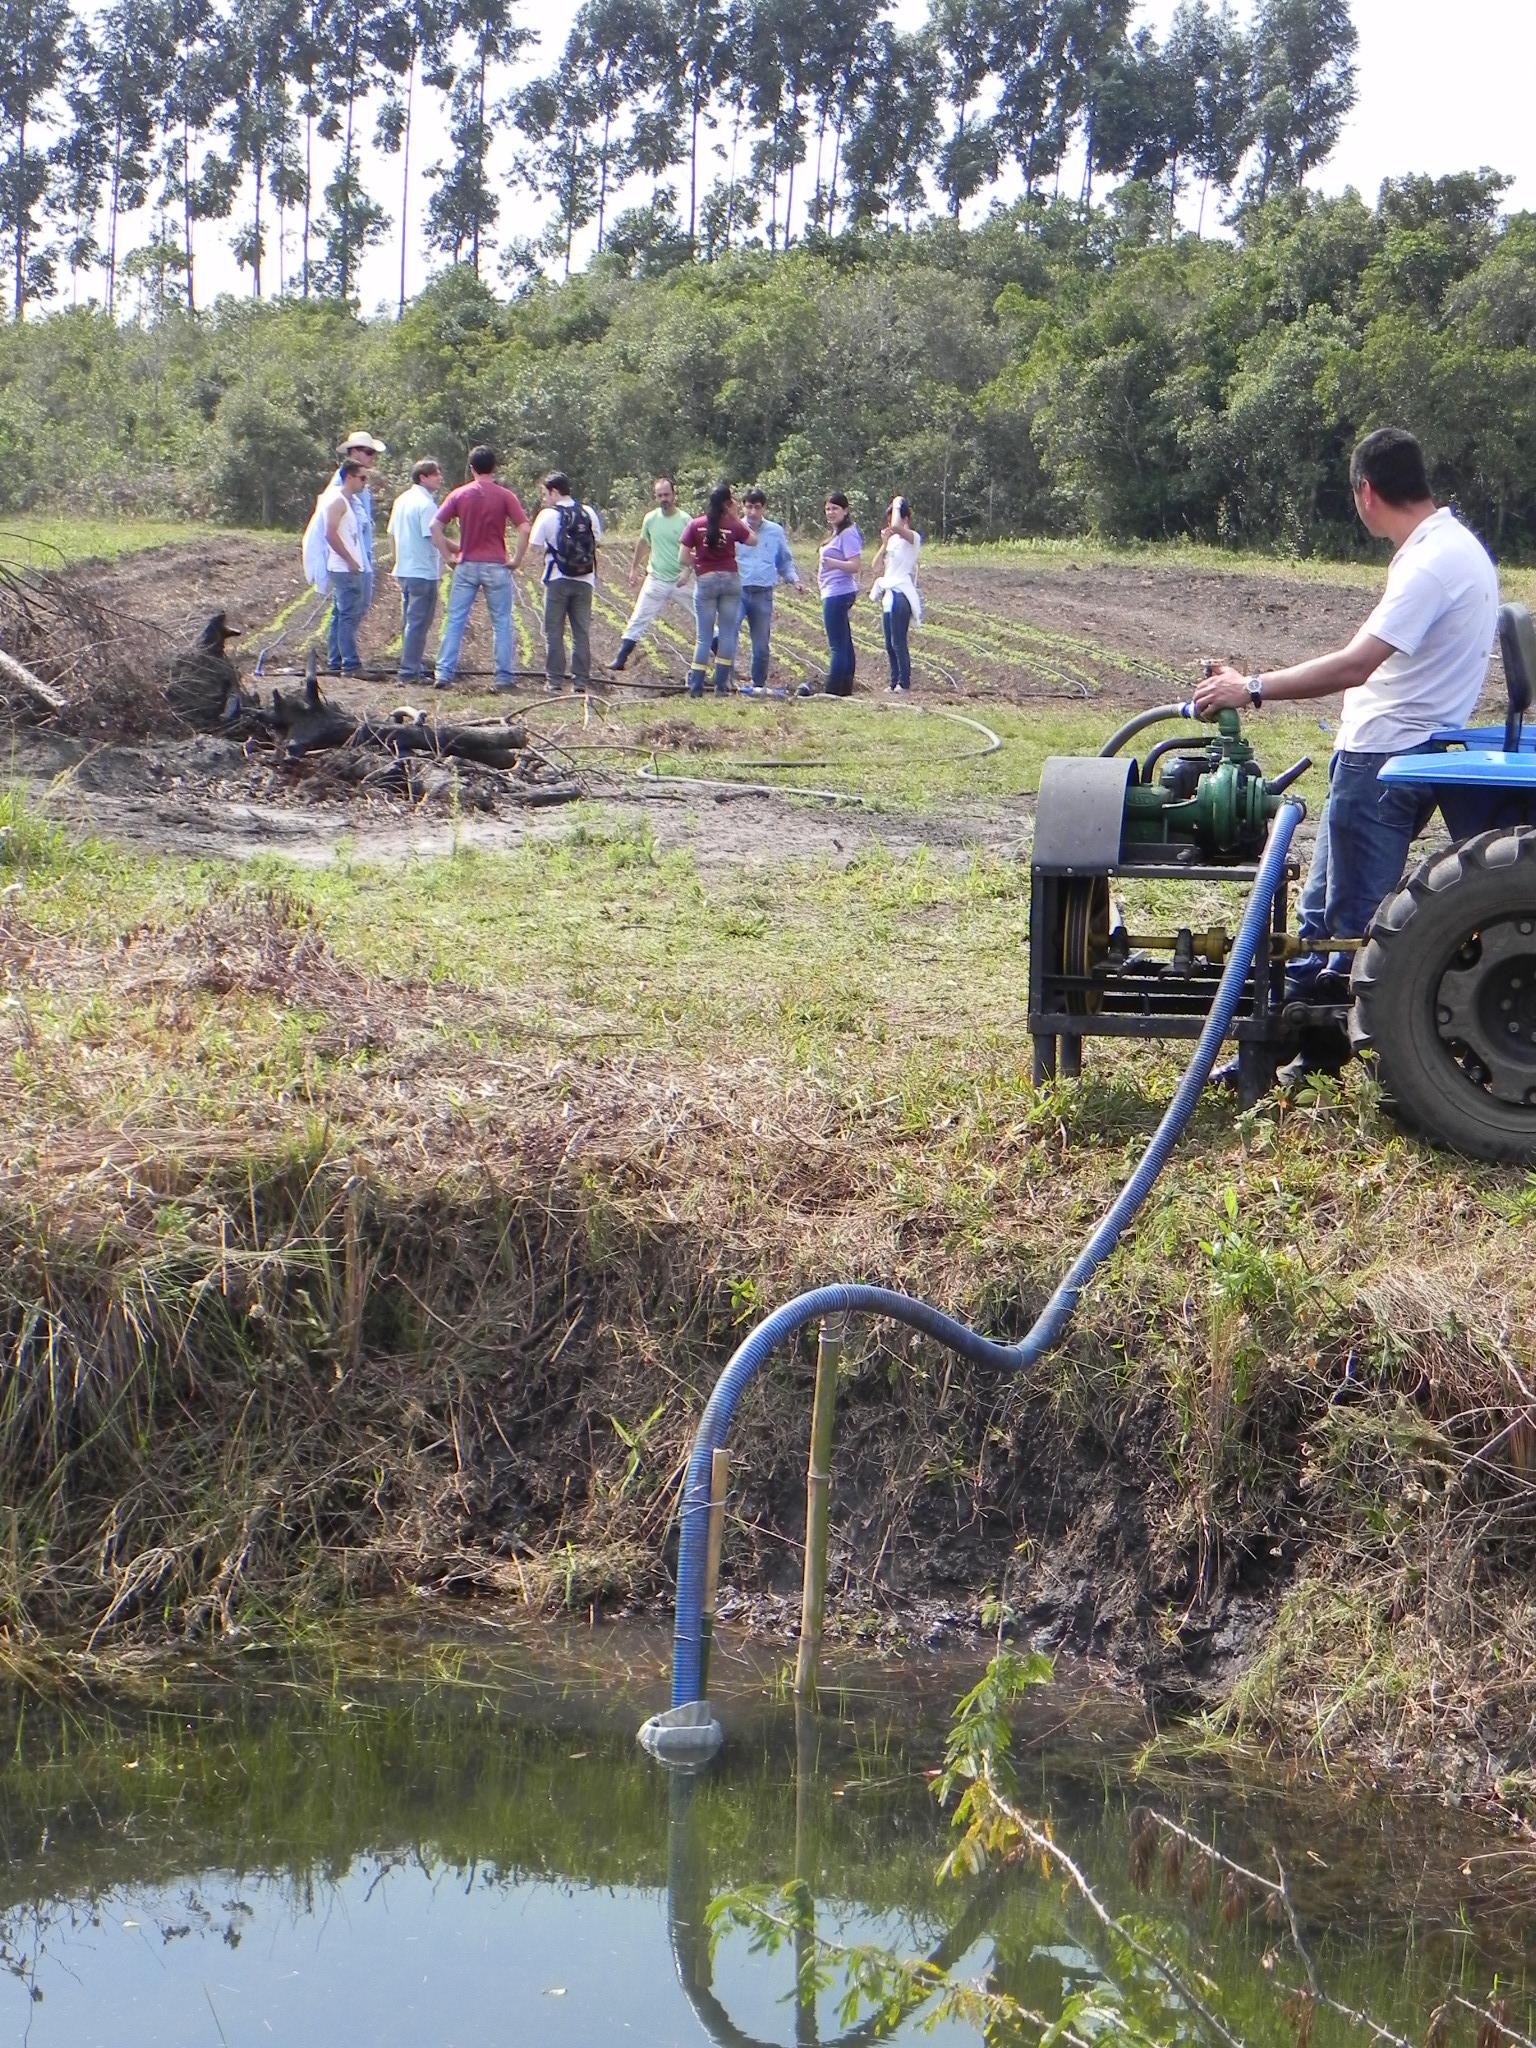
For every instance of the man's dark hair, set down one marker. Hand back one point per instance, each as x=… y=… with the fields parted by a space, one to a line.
x=482 y=460
x=664 y=480
x=757 y=495
x=1392 y=463
x=420 y=471
x=352 y=467
x=558 y=482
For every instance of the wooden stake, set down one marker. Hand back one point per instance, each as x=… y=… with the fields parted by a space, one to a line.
x=719 y=1477
x=818 y=1479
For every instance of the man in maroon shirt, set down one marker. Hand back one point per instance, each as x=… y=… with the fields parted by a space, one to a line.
x=483 y=509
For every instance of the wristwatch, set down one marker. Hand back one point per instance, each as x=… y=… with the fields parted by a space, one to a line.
x=1255 y=690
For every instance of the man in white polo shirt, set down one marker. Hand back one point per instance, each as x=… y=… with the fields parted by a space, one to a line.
x=1418 y=663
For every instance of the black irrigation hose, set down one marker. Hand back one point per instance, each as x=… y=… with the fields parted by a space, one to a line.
x=1132 y=726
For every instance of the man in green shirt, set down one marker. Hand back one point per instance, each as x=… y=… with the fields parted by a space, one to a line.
x=665 y=576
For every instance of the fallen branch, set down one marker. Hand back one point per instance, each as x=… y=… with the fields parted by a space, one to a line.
x=44 y=693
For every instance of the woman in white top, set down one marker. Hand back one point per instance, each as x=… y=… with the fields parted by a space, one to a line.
x=895 y=588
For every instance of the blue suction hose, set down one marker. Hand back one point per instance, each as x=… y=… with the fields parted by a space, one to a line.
x=845 y=1297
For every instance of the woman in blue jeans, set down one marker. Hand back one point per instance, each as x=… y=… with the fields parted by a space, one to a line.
x=710 y=543
x=895 y=589
x=842 y=556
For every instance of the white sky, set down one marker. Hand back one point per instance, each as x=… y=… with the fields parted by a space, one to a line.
x=1444 y=85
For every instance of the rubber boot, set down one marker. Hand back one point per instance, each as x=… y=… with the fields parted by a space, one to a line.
x=695 y=682
x=626 y=649
x=722 y=679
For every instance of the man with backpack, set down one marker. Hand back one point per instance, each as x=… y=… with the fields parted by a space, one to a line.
x=569 y=533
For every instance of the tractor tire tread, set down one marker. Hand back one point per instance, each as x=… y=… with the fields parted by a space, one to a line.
x=1390 y=998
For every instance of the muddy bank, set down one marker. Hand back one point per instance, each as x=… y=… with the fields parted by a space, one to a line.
x=206 y=798
x=262 y=1389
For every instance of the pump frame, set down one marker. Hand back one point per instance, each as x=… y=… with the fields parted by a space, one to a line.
x=1149 y=999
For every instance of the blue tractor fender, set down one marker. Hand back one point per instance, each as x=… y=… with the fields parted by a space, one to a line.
x=1484 y=777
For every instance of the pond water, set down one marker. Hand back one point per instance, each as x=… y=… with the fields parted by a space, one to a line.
x=458 y=1845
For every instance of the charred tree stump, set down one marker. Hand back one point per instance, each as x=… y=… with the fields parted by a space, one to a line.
x=204 y=690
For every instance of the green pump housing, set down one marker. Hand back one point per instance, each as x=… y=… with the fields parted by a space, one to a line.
x=1216 y=799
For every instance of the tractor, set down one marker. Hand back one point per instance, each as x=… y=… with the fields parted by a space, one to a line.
x=1443 y=986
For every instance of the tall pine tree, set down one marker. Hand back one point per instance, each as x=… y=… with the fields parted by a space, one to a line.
x=33 y=49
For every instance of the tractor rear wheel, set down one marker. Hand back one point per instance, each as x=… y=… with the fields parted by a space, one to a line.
x=1444 y=993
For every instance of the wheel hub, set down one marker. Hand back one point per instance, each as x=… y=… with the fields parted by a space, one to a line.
x=1485 y=1009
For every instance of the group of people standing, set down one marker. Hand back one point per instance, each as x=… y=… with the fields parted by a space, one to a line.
x=722 y=567
x=737 y=560
x=565 y=537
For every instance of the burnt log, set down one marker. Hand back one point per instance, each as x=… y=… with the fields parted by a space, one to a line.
x=305 y=723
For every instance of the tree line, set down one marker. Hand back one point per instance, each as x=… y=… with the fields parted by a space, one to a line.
x=293 y=131
x=1046 y=372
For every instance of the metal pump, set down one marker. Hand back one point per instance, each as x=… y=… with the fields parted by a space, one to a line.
x=1194 y=809
x=1441 y=991
x=1216 y=798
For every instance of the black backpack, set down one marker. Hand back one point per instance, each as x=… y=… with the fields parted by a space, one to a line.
x=575 y=548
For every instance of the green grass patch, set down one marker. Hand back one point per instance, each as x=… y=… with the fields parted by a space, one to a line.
x=28 y=541
x=917 y=757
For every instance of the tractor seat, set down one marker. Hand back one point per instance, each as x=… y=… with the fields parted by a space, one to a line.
x=1517 y=644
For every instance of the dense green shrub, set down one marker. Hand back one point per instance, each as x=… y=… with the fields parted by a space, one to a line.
x=1046 y=371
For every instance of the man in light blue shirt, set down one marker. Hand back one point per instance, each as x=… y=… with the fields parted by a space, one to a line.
x=418 y=565
x=762 y=569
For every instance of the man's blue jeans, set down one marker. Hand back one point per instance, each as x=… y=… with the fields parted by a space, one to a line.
x=495 y=579
x=757 y=616
x=349 y=601
x=1363 y=837
x=333 y=655
x=418 y=604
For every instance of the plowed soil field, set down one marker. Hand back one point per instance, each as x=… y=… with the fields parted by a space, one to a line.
x=1094 y=637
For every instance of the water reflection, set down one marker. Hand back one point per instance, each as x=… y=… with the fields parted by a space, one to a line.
x=487 y=1858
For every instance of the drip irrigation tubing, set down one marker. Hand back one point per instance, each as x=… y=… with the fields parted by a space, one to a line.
x=848 y=1297
x=293 y=671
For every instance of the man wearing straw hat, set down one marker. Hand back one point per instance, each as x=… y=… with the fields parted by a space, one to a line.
x=363 y=448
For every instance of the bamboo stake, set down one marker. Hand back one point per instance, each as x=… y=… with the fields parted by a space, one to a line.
x=806 y=2035
x=818 y=1479
x=719 y=1475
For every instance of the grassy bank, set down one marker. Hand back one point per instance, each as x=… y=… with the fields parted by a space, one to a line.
x=381 y=1226
x=30 y=542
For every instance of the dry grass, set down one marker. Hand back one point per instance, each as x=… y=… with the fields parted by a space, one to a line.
x=56 y=627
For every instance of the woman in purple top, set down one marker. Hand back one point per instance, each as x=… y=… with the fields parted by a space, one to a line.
x=842 y=556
